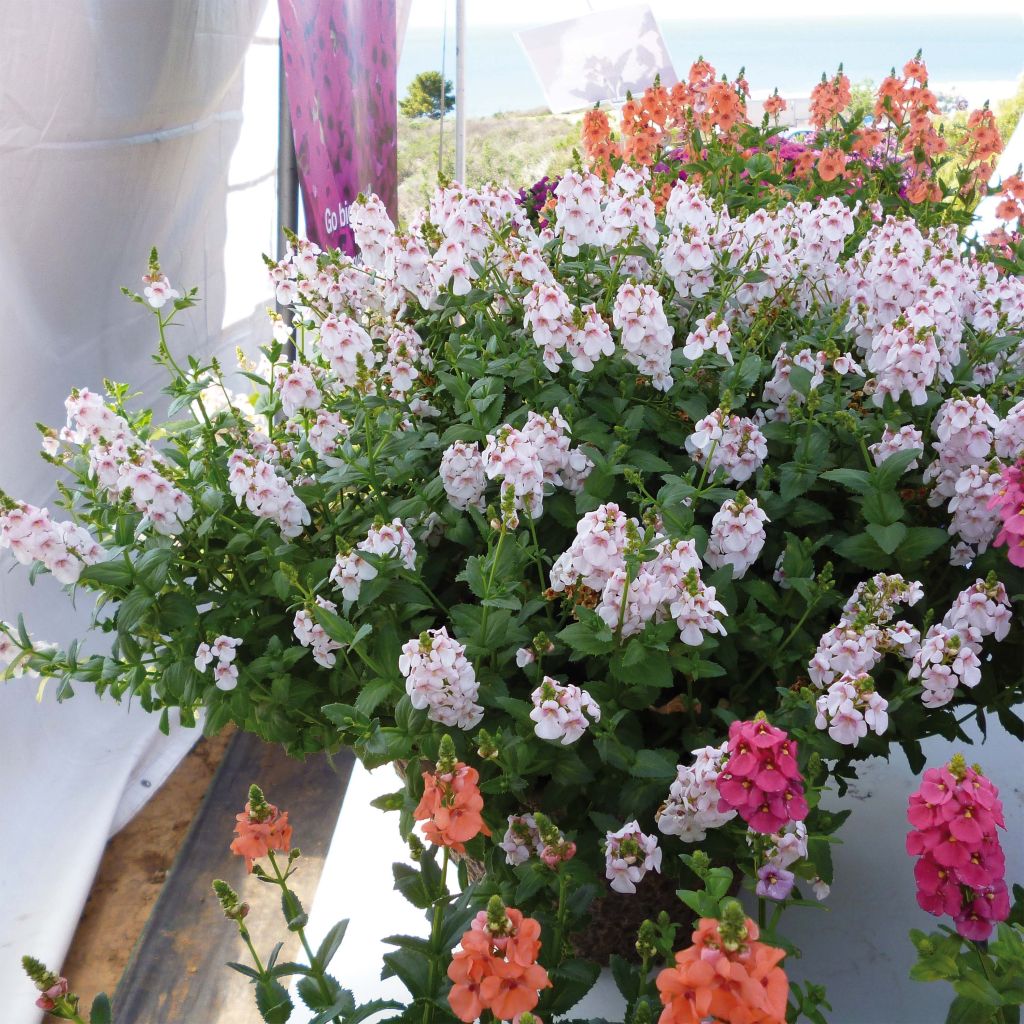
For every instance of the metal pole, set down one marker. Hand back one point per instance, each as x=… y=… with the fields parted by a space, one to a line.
x=444 y=91
x=460 y=91
x=287 y=179
x=287 y=171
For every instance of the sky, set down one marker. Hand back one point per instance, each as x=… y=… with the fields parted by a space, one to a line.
x=538 y=12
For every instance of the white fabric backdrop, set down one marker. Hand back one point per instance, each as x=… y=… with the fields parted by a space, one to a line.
x=123 y=124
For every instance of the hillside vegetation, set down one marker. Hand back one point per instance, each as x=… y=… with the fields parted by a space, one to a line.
x=516 y=148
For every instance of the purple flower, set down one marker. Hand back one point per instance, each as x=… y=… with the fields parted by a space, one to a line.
x=775 y=883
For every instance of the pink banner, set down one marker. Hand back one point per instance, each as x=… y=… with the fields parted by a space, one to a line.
x=340 y=71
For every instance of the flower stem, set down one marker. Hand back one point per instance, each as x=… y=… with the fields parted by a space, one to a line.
x=435 y=931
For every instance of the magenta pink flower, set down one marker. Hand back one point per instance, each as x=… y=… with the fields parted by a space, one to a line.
x=1008 y=501
x=955 y=814
x=761 y=780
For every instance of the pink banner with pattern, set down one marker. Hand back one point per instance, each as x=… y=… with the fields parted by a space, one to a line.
x=340 y=74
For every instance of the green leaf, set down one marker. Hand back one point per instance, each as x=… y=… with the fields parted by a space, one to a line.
x=364 y=1011
x=133 y=609
x=373 y=694
x=974 y=985
x=337 y=628
x=115 y=573
x=325 y=995
x=888 y=538
x=409 y=882
x=655 y=764
x=151 y=569
x=101 y=1012
x=889 y=472
x=572 y=979
x=863 y=550
x=273 y=1002
x=331 y=943
x=583 y=640
x=920 y=542
x=967 y=1011
x=857 y=480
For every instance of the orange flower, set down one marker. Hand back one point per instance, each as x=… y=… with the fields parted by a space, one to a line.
x=260 y=828
x=829 y=99
x=1014 y=186
x=451 y=803
x=867 y=140
x=774 y=105
x=831 y=164
x=803 y=163
x=726 y=975
x=916 y=69
x=496 y=967
x=1008 y=210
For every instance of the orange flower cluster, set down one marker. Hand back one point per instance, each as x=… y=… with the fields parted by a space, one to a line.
x=829 y=98
x=260 y=828
x=726 y=975
x=597 y=141
x=775 y=104
x=496 y=969
x=1011 y=205
x=701 y=103
x=451 y=803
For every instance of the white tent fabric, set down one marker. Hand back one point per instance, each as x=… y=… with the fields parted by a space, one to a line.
x=123 y=124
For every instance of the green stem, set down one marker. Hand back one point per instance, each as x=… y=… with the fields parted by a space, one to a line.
x=490 y=582
x=247 y=939
x=1000 y=1018
x=762 y=912
x=317 y=970
x=435 y=931
x=563 y=909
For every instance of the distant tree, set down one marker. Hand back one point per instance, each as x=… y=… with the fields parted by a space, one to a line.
x=424 y=96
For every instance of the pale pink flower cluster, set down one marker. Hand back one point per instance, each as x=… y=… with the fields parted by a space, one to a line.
x=629 y=213
x=737 y=535
x=1009 y=434
x=223 y=650
x=440 y=678
x=297 y=388
x=710 y=334
x=964 y=472
x=944 y=662
x=645 y=333
x=405 y=356
x=325 y=432
x=982 y=609
x=311 y=634
x=122 y=463
x=562 y=711
x=462 y=473
x=779 y=390
x=372 y=229
x=629 y=855
x=731 y=443
x=850 y=707
x=522 y=839
x=158 y=290
x=346 y=347
x=973 y=520
x=668 y=586
x=866 y=631
x=64 y=548
x=385 y=540
x=556 y=325
x=907 y=438
x=905 y=359
x=578 y=216
x=527 y=459
x=691 y=809
x=548 y=316
x=266 y=495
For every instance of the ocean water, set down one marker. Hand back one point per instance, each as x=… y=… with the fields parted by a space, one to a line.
x=789 y=55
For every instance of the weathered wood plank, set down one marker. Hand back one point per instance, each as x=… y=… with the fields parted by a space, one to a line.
x=176 y=974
